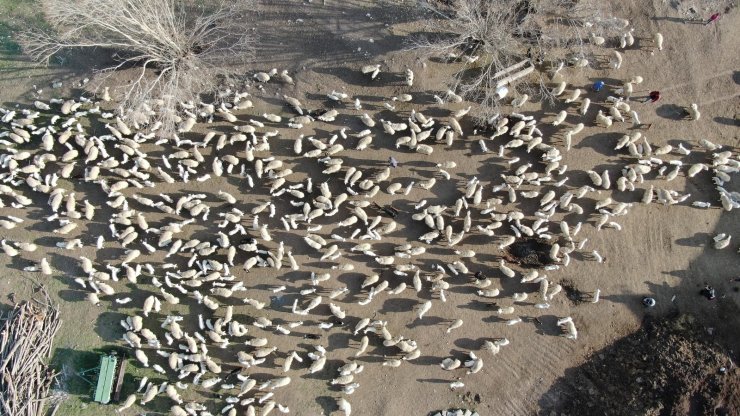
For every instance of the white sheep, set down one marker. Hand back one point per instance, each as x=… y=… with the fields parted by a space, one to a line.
x=450 y=364
x=602 y=120
x=693 y=112
x=658 y=39
x=344 y=406
x=409 y=77
x=616 y=61
x=596 y=295
x=721 y=241
x=559 y=118
x=423 y=309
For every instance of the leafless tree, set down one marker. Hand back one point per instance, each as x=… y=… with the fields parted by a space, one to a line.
x=489 y=36
x=182 y=48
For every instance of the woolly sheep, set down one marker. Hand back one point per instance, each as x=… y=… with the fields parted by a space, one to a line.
x=658 y=39
x=693 y=111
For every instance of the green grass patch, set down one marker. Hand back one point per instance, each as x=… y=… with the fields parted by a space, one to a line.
x=8 y=45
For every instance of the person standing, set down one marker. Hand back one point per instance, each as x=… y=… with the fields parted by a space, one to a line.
x=713 y=18
x=392 y=162
x=654 y=96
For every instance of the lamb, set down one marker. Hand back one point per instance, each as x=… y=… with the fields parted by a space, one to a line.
x=262 y=76
x=505 y=269
x=559 y=118
x=507 y=241
x=602 y=120
x=721 y=241
x=574 y=96
x=450 y=364
x=616 y=61
x=409 y=77
x=344 y=406
x=570 y=327
x=423 y=308
x=373 y=70
x=495 y=346
x=294 y=103
x=475 y=363
x=658 y=39
x=693 y=112
x=457 y=324
x=584 y=106
x=520 y=297
x=130 y=400
x=696 y=168
x=9 y=250
x=489 y=293
x=559 y=89
x=141 y=356
x=176 y=410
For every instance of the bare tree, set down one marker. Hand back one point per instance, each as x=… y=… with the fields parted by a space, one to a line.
x=489 y=36
x=183 y=48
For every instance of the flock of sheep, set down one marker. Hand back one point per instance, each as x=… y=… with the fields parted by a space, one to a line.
x=48 y=151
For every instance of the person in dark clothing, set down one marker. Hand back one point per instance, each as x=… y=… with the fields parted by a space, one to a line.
x=654 y=96
x=708 y=292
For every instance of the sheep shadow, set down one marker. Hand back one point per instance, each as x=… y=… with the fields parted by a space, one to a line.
x=678 y=20
x=107 y=326
x=695 y=240
x=433 y=380
x=727 y=121
x=671 y=112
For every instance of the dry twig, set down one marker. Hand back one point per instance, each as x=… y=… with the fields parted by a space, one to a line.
x=183 y=48
x=488 y=36
x=26 y=338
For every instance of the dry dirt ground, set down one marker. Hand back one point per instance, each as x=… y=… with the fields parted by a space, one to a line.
x=663 y=252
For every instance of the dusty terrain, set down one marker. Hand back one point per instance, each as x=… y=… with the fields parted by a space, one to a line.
x=663 y=252
x=672 y=368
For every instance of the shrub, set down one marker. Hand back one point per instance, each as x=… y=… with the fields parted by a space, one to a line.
x=181 y=48
x=488 y=36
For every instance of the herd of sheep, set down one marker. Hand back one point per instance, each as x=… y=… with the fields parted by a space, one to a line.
x=196 y=316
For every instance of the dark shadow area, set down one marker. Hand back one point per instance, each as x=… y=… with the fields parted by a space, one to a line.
x=327 y=403
x=304 y=34
x=77 y=371
x=529 y=252
x=671 y=111
x=678 y=20
x=668 y=367
x=727 y=121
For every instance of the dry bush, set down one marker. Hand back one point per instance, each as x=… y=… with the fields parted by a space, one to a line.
x=488 y=36
x=181 y=48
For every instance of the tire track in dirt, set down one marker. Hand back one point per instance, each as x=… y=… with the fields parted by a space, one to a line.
x=528 y=372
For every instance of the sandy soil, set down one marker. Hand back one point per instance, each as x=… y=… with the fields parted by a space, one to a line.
x=672 y=367
x=663 y=252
